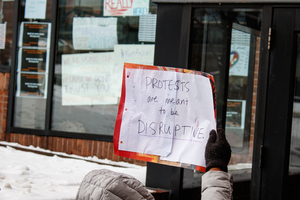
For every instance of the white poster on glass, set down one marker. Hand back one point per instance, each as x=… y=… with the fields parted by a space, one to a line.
x=35 y=9
x=2 y=35
x=239 y=53
x=138 y=54
x=87 y=79
x=147 y=28
x=125 y=7
x=94 y=33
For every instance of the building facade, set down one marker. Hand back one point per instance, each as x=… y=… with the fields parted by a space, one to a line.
x=61 y=69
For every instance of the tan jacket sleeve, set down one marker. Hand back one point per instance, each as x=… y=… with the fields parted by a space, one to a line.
x=216 y=185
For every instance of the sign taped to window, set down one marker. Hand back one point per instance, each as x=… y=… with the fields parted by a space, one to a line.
x=86 y=79
x=94 y=33
x=165 y=115
x=125 y=8
x=32 y=85
x=33 y=60
x=35 y=9
x=35 y=34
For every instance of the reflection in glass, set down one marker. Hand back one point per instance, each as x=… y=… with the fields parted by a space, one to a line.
x=225 y=43
x=295 y=137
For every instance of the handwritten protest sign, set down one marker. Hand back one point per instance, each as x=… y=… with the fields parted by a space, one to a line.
x=146 y=113
x=165 y=115
x=86 y=79
x=125 y=7
x=97 y=33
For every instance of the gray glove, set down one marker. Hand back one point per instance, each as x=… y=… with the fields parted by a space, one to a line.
x=217 y=151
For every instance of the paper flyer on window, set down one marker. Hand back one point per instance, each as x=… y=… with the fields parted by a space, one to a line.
x=35 y=34
x=33 y=60
x=147 y=28
x=239 y=53
x=138 y=54
x=94 y=33
x=87 y=79
x=35 y=9
x=125 y=7
x=2 y=35
x=32 y=85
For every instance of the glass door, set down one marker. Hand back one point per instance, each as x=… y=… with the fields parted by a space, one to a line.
x=225 y=42
x=279 y=152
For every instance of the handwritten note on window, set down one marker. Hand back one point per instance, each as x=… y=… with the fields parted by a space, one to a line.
x=35 y=9
x=2 y=35
x=86 y=79
x=94 y=33
x=125 y=7
x=168 y=114
x=138 y=54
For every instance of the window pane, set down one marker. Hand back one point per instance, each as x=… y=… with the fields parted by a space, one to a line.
x=88 y=69
x=295 y=138
x=225 y=43
x=33 y=66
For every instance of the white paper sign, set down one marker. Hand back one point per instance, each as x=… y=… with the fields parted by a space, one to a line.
x=87 y=78
x=239 y=60
x=167 y=114
x=147 y=28
x=240 y=52
x=125 y=7
x=144 y=118
x=94 y=33
x=196 y=120
x=138 y=54
x=35 y=9
x=2 y=35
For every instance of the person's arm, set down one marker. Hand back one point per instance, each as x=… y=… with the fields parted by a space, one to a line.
x=216 y=182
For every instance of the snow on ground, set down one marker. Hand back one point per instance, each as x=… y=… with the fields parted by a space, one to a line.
x=31 y=176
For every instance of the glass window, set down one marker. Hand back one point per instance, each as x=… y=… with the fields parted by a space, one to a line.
x=93 y=40
x=295 y=137
x=32 y=65
x=93 y=43
x=225 y=42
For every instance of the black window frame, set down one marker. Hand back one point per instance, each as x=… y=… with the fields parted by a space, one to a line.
x=48 y=110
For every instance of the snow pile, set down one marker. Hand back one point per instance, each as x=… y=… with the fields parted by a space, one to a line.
x=27 y=175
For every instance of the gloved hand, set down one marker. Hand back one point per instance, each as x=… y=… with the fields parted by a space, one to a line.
x=217 y=151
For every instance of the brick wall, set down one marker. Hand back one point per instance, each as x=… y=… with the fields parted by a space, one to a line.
x=81 y=147
x=4 y=85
